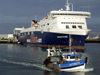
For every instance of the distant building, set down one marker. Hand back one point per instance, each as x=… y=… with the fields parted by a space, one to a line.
x=7 y=36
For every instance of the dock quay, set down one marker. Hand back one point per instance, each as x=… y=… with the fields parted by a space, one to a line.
x=92 y=40
x=8 y=38
x=4 y=41
x=7 y=41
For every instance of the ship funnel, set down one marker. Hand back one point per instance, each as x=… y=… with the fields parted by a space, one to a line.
x=33 y=21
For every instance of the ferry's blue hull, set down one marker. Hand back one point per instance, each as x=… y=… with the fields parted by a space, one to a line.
x=48 y=38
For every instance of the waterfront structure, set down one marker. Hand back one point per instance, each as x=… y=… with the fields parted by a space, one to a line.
x=6 y=36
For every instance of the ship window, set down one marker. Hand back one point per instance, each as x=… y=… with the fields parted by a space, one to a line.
x=41 y=25
x=67 y=27
x=72 y=57
x=78 y=22
x=80 y=27
x=82 y=22
x=74 y=26
x=62 y=22
x=70 y=14
x=47 y=23
x=72 y=22
x=79 y=57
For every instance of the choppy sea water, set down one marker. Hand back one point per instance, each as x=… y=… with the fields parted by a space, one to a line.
x=16 y=59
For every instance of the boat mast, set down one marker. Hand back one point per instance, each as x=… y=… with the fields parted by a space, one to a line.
x=70 y=42
x=35 y=17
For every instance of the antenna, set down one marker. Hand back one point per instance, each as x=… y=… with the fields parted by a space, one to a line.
x=67 y=1
x=35 y=17
x=72 y=7
x=70 y=42
x=52 y=7
x=68 y=6
x=88 y=6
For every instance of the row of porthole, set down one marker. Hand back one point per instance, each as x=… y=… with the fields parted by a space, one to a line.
x=27 y=33
x=44 y=24
x=74 y=27
x=72 y=22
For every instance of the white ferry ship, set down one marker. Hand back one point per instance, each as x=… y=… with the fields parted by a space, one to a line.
x=54 y=29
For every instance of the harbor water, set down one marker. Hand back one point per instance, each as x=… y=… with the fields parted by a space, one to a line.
x=16 y=59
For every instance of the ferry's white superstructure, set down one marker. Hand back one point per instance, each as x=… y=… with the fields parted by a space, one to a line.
x=55 y=27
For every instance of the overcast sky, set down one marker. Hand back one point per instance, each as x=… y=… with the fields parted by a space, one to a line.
x=19 y=13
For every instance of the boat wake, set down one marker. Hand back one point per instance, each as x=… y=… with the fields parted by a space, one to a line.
x=41 y=66
x=81 y=70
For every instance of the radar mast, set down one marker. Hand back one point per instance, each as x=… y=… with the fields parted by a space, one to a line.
x=68 y=6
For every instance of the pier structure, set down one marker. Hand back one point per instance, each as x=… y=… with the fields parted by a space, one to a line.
x=6 y=38
x=16 y=29
x=94 y=37
x=10 y=38
x=16 y=34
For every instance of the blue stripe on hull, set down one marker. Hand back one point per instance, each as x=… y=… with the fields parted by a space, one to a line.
x=73 y=64
x=52 y=39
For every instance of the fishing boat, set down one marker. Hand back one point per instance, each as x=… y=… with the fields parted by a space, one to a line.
x=64 y=61
x=57 y=25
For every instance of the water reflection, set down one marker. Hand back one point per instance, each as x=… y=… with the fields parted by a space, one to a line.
x=80 y=73
x=51 y=73
x=63 y=73
x=34 y=57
